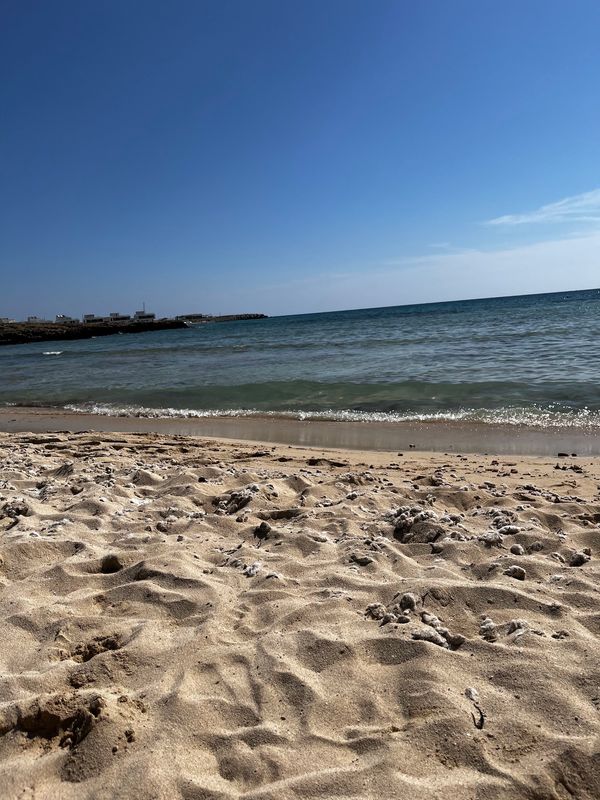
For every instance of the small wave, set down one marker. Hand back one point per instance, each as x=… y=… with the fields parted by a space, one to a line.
x=106 y=410
x=53 y=353
x=536 y=417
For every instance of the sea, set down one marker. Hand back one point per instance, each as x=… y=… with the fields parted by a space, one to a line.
x=532 y=360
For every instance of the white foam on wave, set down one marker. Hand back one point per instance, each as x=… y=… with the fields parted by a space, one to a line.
x=52 y=353
x=168 y=413
x=539 y=417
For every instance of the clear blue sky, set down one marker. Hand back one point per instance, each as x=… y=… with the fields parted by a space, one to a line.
x=295 y=156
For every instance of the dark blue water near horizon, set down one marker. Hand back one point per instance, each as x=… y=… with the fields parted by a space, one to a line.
x=526 y=359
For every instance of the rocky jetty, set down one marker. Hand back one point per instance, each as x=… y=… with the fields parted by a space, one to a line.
x=26 y=332
x=237 y=317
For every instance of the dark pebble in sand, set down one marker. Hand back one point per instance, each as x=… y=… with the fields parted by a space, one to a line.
x=362 y=561
x=578 y=559
x=516 y=572
x=420 y=533
x=262 y=531
x=408 y=601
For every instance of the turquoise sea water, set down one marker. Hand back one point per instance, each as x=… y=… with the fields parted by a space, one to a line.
x=533 y=359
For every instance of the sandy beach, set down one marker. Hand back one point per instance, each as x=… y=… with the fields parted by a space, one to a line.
x=300 y=401
x=200 y=618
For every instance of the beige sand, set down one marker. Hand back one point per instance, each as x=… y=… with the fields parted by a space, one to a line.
x=366 y=641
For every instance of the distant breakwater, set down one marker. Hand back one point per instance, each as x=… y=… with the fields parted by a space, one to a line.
x=28 y=332
x=236 y=317
x=25 y=333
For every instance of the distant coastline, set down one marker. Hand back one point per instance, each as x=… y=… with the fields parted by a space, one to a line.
x=29 y=332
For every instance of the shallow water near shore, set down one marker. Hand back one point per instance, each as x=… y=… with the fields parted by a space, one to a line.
x=532 y=360
x=405 y=436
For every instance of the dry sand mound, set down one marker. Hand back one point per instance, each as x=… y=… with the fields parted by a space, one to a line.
x=195 y=619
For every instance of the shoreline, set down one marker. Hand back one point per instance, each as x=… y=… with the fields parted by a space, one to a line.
x=454 y=437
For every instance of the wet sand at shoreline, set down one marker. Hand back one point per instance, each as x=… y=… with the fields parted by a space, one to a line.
x=184 y=617
x=462 y=437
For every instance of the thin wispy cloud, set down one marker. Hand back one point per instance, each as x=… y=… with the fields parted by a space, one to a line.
x=564 y=263
x=579 y=208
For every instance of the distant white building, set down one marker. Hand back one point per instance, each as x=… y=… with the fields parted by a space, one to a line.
x=144 y=316
x=34 y=320
x=115 y=316
x=63 y=319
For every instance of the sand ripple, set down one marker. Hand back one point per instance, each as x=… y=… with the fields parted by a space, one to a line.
x=198 y=619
